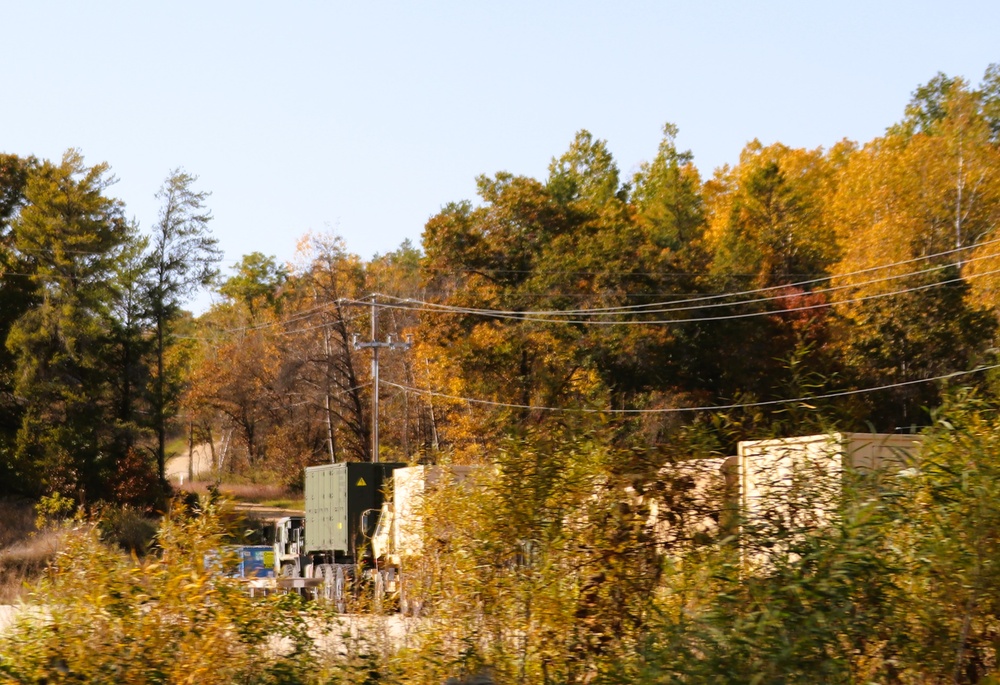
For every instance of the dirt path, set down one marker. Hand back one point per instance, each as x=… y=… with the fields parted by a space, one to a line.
x=178 y=468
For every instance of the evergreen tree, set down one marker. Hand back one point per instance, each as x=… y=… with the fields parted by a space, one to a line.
x=73 y=237
x=182 y=258
x=17 y=294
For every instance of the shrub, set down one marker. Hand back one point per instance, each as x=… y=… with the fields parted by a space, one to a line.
x=167 y=618
x=127 y=529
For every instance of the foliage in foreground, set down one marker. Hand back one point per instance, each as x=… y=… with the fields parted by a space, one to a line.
x=895 y=582
x=558 y=569
x=102 y=616
x=898 y=585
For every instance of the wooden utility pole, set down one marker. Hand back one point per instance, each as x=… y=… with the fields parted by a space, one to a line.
x=375 y=346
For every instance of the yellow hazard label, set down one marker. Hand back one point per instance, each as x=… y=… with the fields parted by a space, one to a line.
x=340 y=525
x=361 y=482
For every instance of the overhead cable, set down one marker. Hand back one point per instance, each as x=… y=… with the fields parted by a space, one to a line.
x=705 y=298
x=529 y=317
x=654 y=308
x=678 y=410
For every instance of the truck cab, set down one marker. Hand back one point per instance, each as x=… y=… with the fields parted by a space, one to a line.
x=289 y=547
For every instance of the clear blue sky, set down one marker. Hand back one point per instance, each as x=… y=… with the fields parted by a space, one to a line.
x=364 y=118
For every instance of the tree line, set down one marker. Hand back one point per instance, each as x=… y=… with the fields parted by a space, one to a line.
x=589 y=300
x=89 y=377
x=845 y=278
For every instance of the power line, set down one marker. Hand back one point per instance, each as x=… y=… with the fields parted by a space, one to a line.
x=649 y=307
x=270 y=324
x=431 y=307
x=529 y=317
x=407 y=304
x=536 y=316
x=678 y=410
x=704 y=298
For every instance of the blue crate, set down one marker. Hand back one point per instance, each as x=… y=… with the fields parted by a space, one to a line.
x=256 y=561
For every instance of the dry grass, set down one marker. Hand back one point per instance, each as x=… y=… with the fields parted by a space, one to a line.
x=17 y=520
x=24 y=561
x=247 y=492
x=24 y=551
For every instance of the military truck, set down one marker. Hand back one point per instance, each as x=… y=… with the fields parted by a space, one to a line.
x=362 y=521
x=323 y=552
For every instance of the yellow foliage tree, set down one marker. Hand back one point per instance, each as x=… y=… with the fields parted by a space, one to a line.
x=767 y=221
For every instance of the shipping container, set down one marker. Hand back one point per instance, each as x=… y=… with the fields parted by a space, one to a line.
x=336 y=499
x=814 y=466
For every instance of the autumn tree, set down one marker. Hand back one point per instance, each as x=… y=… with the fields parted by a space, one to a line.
x=279 y=366
x=911 y=210
x=256 y=284
x=236 y=369
x=579 y=243
x=768 y=245
x=326 y=367
x=767 y=218
x=486 y=257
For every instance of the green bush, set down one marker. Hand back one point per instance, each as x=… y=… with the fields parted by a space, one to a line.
x=127 y=529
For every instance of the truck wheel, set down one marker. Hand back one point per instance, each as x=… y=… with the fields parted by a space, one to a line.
x=378 y=592
x=287 y=570
x=340 y=590
x=406 y=605
x=325 y=591
x=325 y=571
x=334 y=585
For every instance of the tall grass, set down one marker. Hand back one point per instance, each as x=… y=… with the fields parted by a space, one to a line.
x=24 y=551
x=17 y=520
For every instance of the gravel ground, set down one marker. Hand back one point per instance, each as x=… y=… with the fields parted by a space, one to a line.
x=6 y=615
x=374 y=629
x=395 y=629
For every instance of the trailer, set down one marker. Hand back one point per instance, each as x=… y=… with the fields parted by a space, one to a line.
x=324 y=552
x=398 y=535
x=362 y=523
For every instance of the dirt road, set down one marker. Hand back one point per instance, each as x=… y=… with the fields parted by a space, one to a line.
x=178 y=468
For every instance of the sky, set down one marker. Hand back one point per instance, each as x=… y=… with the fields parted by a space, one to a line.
x=363 y=119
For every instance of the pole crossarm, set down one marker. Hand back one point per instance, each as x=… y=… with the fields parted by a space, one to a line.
x=387 y=343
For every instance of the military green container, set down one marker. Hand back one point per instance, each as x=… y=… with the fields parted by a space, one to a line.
x=337 y=496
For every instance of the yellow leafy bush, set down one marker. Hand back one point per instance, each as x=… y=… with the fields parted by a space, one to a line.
x=102 y=616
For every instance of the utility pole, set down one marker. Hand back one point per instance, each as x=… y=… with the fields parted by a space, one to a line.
x=326 y=397
x=375 y=346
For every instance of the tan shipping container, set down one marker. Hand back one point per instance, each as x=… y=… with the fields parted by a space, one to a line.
x=771 y=469
x=410 y=484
